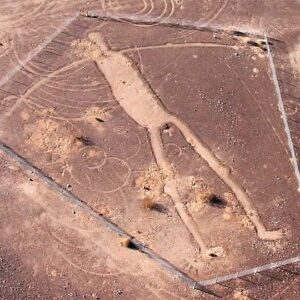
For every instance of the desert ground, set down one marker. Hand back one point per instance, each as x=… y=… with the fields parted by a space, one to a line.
x=149 y=149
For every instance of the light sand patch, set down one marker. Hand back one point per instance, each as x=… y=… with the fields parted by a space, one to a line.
x=201 y=200
x=58 y=139
x=240 y=294
x=152 y=181
x=251 y=41
x=24 y=115
x=95 y=115
x=217 y=251
x=245 y=222
x=87 y=49
x=48 y=112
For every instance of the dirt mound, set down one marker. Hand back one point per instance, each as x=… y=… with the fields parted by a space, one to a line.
x=87 y=49
x=152 y=181
x=53 y=137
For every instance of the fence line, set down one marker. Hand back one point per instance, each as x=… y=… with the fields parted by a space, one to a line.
x=73 y=199
x=252 y=271
x=283 y=114
x=167 y=21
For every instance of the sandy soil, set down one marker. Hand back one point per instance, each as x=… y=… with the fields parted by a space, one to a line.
x=172 y=133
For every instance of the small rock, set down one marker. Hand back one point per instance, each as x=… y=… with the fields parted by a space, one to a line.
x=117 y=292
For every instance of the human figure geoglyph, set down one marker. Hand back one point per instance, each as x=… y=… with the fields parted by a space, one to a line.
x=138 y=101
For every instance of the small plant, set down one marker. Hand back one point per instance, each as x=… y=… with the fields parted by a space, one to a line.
x=148 y=203
x=125 y=242
x=205 y=196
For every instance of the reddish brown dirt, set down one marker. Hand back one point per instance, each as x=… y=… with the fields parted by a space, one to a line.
x=61 y=113
x=50 y=249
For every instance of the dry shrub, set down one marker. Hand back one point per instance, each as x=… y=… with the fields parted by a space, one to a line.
x=148 y=203
x=125 y=242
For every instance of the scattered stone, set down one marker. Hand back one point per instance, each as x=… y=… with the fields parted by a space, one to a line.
x=117 y=292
